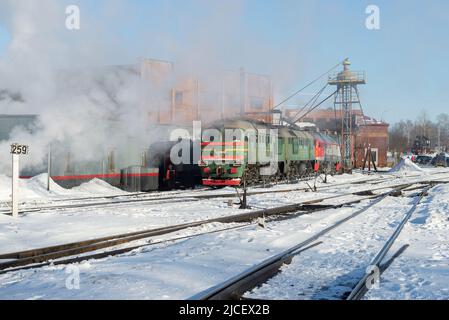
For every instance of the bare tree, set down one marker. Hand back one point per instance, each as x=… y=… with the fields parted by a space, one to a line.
x=402 y=135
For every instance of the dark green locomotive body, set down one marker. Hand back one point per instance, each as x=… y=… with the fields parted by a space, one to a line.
x=237 y=151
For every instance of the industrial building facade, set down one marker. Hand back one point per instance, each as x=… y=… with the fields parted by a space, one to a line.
x=368 y=132
x=185 y=99
x=172 y=101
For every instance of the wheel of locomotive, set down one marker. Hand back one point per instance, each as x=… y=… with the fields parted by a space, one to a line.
x=251 y=175
x=329 y=168
x=303 y=172
x=282 y=171
x=309 y=170
x=294 y=170
x=291 y=171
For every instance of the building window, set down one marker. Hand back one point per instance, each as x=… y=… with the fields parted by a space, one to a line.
x=256 y=103
x=179 y=95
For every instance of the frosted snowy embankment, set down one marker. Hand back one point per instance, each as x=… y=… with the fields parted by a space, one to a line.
x=422 y=271
x=405 y=166
x=36 y=188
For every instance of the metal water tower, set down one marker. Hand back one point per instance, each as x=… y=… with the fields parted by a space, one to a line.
x=346 y=96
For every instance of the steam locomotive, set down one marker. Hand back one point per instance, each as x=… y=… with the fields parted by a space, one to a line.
x=173 y=176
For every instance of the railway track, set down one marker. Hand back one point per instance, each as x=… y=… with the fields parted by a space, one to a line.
x=363 y=285
x=236 y=287
x=177 y=198
x=43 y=256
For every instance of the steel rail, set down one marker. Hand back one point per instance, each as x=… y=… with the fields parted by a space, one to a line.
x=175 y=199
x=236 y=286
x=233 y=218
x=150 y=197
x=188 y=197
x=105 y=254
x=40 y=255
x=361 y=287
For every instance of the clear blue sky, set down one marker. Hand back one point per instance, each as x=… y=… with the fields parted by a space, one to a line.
x=406 y=61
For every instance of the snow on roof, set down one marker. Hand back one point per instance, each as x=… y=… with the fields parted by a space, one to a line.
x=305 y=124
x=361 y=120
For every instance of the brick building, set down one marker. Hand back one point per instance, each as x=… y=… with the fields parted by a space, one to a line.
x=366 y=131
x=181 y=99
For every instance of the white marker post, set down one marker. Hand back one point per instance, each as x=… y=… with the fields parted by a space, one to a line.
x=16 y=151
x=49 y=167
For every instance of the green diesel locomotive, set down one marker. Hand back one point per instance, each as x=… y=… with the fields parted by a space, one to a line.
x=240 y=151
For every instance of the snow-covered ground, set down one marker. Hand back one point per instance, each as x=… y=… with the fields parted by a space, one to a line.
x=422 y=271
x=179 y=269
x=331 y=269
x=35 y=188
x=406 y=166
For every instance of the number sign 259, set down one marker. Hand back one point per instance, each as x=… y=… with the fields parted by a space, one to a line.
x=19 y=149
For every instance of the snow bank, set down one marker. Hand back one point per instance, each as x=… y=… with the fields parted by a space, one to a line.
x=406 y=165
x=97 y=186
x=38 y=184
x=36 y=188
x=24 y=190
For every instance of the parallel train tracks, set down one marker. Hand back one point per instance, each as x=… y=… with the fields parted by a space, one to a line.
x=134 y=198
x=237 y=286
x=362 y=286
x=75 y=251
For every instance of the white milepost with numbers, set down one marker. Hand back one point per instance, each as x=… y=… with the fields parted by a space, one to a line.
x=16 y=151
x=48 y=167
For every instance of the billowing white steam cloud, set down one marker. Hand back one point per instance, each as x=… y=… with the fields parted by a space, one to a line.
x=49 y=72
x=57 y=74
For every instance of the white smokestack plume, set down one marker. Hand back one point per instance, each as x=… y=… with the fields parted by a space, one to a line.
x=91 y=109
x=56 y=73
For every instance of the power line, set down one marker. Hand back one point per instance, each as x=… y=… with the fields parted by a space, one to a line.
x=322 y=101
x=312 y=101
x=361 y=107
x=308 y=85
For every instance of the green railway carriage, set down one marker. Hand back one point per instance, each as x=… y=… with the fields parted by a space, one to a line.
x=239 y=150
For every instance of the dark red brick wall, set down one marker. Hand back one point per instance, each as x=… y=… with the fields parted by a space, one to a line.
x=377 y=136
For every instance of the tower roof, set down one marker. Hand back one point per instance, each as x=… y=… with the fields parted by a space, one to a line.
x=347 y=76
